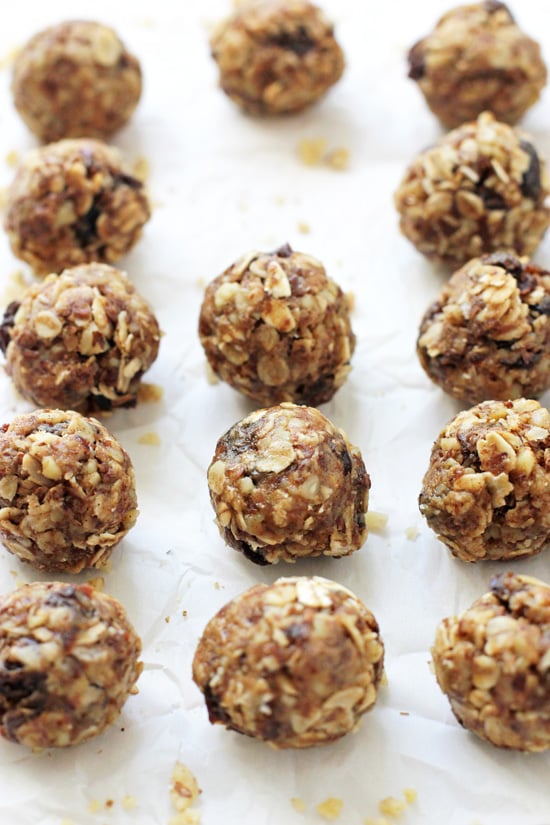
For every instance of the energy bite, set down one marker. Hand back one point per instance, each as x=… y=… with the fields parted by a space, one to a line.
x=68 y=662
x=276 y=328
x=74 y=202
x=487 y=489
x=295 y=664
x=285 y=483
x=493 y=663
x=80 y=340
x=276 y=56
x=67 y=491
x=477 y=59
x=75 y=79
x=481 y=189
x=488 y=334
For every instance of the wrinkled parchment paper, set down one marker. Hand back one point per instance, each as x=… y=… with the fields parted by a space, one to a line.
x=222 y=184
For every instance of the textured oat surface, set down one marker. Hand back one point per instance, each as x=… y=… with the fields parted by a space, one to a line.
x=73 y=202
x=80 y=340
x=75 y=79
x=481 y=188
x=277 y=328
x=67 y=490
x=476 y=59
x=493 y=662
x=276 y=56
x=277 y=691
x=285 y=483
x=487 y=489
x=487 y=336
x=68 y=661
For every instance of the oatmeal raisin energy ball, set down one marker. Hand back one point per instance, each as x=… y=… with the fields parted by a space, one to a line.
x=488 y=334
x=68 y=662
x=80 y=340
x=67 y=490
x=487 y=489
x=276 y=328
x=276 y=56
x=295 y=664
x=285 y=483
x=75 y=79
x=74 y=202
x=478 y=59
x=482 y=188
x=493 y=664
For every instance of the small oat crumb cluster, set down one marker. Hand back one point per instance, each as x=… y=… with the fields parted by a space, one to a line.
x=285 y=483
x=488 y=334
x=276 y=56
x=67 y=490
x=493 y=663
x=276 y=328
x=75 y=79
x=69 y=658
x=480 y=189
x=487 y=489
x=74 y=202
x=80 y=340
x=296 y=663
x=477 y=59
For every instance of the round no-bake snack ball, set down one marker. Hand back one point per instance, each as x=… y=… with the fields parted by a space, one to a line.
x=80 y=340
x=493 y=663
x=75 y=79
x=67 y=490
x=295 y=664
x=487 y=490
x=73 y=202
x=68 y=662
x=276 y=56
x=286 y=483
x=276 y=328
x=477 y=59
x=480 y=189
x=488 y=334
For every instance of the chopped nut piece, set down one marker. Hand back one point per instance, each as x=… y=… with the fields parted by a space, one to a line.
x=376 y=521
x=488 y=334
x=94 y=806
x=390 y=806
x=338 y=158
x=453 y=204
x=75 y=79
x=276 y=56
x=412 y=532
x=492 y=663
x=298 y=804
x=304 y=228
x=80 y=340
x=410 y=794
x=475 y=59
x=312 y=150
x=149 y=392
x=276 y=328
x=276 y=692
x=330 y=809
x=110 y=207
x=75 y=496
x=152 y=439
x=141 y=169
x=285 y=483
x=129 y=802
x=68 y=661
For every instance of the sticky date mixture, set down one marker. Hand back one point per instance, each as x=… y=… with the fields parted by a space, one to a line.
x=285 y=483
x=487 y=489
x=482 y=188
x=493 y=663
x=74 y=202
x=275 y=327
x=75 y=79
x=80 y=340
x=476 y=59
x=295 y=664
x=68 y=662
x=67 y=490
x=488 y=334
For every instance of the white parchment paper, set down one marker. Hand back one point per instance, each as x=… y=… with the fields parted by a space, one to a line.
x=221 y=184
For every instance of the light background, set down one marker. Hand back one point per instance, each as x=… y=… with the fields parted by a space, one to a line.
x=221 y=184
